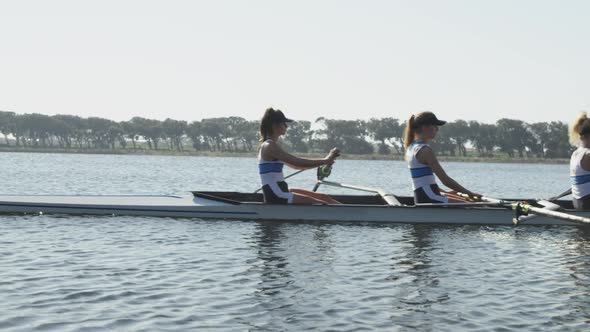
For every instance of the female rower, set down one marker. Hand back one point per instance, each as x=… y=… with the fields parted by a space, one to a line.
x=580 y=162
x=420 y=129
x=271 y=159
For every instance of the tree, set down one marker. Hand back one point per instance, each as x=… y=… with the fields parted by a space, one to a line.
x=443 y=143
x=193 y=131
x=248 y=132
x=7 y=124
x=513 y=135
x=296 y=135
x=212 y=133
x=346 y=134
x=74 y=129
x=483 y=137
x=174 y=129
x=98 y=132
x=131 y=130
x=385 y=130
x=558 y=145
x=115 y=134
x=458 y=132
x=540 y=137
x=151 y=130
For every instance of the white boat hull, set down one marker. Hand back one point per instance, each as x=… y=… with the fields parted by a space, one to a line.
x=190 y=206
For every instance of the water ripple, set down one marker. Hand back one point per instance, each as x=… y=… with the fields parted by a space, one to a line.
x=162 y=274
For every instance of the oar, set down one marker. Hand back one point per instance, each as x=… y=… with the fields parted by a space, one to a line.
x=390 y=199
x=548 y=205
x=482 y=199
x=322 y=173
x=563 y=194
x=523 y=209
x=460 y=197
x=286 y=177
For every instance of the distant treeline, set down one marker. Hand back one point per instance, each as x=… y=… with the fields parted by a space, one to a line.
x=235 y=134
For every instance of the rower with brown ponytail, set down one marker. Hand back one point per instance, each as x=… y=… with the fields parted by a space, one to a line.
x=271 y=158
x=580 y=162
x=420 y=129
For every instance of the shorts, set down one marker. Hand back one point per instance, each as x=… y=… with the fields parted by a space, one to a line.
x=429 y=194
x=277 y=193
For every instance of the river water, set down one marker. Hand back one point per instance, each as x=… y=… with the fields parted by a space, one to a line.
x=162 y=274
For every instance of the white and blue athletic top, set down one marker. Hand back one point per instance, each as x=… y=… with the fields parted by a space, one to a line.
x=422 y=174
x=271 y=173
x=579 y=177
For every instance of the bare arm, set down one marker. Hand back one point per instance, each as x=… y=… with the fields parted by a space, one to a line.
x=426 y=156
x=272 y=151
x=586 y=162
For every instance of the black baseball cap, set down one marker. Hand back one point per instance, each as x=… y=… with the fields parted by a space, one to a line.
x=428 y=118
x=278 y=117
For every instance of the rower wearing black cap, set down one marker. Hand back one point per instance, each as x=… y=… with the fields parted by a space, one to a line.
x=421 y=128
x=271 y=158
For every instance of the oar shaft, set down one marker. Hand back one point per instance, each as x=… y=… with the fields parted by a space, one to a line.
x=466 y=204
x=286 y=177
x=556 y=214
x=348 y=186
x=563 y=194
x=525 y=211
x=293 y=174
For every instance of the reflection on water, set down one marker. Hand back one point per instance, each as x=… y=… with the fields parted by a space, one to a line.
x=124 y=273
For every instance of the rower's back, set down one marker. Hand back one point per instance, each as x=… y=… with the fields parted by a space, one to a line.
x=580 y=179
x=423 y=181
x=274 y=188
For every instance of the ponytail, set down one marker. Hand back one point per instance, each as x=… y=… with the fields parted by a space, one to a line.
x=580 y=127
x=409 y=132
x=266 y=126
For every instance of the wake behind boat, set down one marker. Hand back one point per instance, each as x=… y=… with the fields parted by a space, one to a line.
x=378 y=207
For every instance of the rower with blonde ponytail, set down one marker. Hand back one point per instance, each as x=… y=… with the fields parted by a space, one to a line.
x=580 y=162
x=575 y=128
x=420 y=129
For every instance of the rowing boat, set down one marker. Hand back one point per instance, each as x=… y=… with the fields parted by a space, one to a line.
x=378 y=207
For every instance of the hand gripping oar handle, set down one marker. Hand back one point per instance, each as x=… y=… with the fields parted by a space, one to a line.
x=482 y=199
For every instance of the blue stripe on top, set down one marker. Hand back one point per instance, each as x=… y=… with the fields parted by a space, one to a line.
x=420 y=172
x=270 y=168
x=580 y=179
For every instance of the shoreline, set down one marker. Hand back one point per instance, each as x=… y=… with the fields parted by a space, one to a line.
x=192 y=153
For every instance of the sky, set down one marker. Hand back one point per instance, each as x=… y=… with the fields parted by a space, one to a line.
x=340 y=59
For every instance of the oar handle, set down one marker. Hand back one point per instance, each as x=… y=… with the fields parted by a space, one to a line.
x=482 y=198
x=473 y=198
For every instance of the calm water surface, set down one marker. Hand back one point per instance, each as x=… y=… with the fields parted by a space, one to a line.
x=162 y=274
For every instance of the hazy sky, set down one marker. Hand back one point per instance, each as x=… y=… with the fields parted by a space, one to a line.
x=188 y=60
